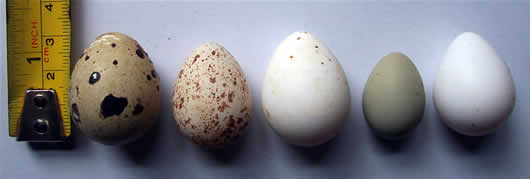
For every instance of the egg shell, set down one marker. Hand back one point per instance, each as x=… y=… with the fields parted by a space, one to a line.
x=305 y=92
x=394 y=97
x=474 y=91
x=114 y=90
x=211 y=100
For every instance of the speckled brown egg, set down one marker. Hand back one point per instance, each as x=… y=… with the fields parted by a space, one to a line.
x=114 y=90
x=211 y=98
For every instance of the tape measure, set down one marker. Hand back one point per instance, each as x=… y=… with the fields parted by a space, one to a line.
x=38 y=59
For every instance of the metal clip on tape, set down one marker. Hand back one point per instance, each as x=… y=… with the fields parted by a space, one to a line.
x=40 y=120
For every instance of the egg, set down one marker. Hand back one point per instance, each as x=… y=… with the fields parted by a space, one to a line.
x=114 y=90
x=305 y=94
x=474 y=91
x=394 y=97
x=211 y=99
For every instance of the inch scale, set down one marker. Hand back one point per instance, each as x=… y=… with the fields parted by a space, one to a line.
x=38 y=60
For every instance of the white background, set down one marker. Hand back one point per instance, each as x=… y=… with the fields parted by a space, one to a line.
x=359 y=34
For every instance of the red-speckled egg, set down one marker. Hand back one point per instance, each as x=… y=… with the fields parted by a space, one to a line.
x=211 y=98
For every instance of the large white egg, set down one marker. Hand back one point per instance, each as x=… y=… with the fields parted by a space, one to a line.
x=305 y=93
x=474 y=92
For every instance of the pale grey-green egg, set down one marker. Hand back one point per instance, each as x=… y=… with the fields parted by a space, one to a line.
x=394 y=97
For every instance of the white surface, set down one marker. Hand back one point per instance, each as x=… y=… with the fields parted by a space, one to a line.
x=359 y=34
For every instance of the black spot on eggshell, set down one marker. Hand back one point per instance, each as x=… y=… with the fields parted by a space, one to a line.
x=149 y=77
x=139 y=53
x=75 y=113
x=94 y=77
x=86 y=58
x=115 y=62
x=113 y=45
x=112 y=105
x=138 y=109
x=153 y=73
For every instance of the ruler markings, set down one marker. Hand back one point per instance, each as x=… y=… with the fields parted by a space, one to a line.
x=56 y=35
x=41 y=44
x=18 y=53
x=54 y=25
x=55 y=70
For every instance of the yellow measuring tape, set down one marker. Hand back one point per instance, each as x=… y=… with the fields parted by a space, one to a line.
x=38 y=55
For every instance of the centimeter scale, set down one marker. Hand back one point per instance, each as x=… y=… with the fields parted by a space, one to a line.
x=38 y=59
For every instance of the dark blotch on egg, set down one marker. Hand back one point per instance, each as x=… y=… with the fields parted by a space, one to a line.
x=112 y=105
x=94 y=77
x=138 y=109
x=153 y=73
x=139 y=53
x=149 y=77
